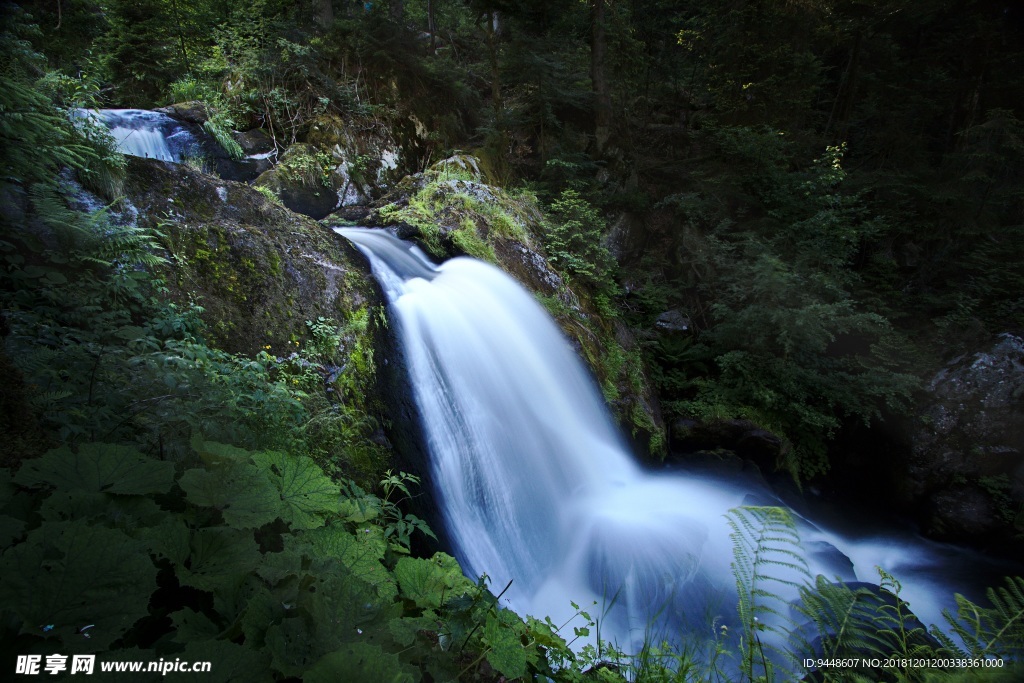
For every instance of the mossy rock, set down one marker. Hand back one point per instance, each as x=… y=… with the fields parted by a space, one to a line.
x=194 y=111
x=259 y=270
x=304 y=181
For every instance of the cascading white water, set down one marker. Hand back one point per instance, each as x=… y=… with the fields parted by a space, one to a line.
x=147 y=134
x=535 y=484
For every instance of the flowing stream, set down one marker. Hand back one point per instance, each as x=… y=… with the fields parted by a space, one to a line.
x=536 y=486
x=147 y=134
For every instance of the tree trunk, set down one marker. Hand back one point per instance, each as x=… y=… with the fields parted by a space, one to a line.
x=431 y=27
x=323 y=12
x=491 y=31
x=842 y=108
x=598 y=76
x=397 y=11
x=181 y=35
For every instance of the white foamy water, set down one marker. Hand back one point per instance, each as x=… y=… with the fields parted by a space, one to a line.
x=146 y=134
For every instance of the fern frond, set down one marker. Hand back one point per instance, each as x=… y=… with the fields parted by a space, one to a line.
x=767 y=560
x=840 y=616
x=996 y=631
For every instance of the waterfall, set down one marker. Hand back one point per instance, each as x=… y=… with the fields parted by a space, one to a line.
x=536 y=486
x=147 y=134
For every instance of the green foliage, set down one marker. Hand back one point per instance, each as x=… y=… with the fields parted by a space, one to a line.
x=789 y=342
x=857 y=624
x=573 y=241
x=102 y=538
x=867 y=623
x=190 y=89
x=269 y=194
x=37 y=137
x=279 y=560
x=397 y=524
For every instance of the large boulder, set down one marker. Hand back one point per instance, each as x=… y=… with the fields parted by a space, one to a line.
x=255 y=142
x=367 y=158
x=304 y=180
x=966 y=469
x=342 y=163
x=259 y=270
x=193 y=111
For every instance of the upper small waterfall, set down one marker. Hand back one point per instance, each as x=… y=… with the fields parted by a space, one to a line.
x=537 y=487
x=147 y=134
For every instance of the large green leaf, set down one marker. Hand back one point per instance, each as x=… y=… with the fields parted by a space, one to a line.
x=220 y=558
x=506 y=653
x=216 y=454
x=244 y=494
x=191 y=626
x=429 y=582
x=169 y=539
x=361 y=553
x=261 y=611
x=121 y=512
x=360 y=662
x=406 y=629
x=277 y=567
x=359 y=510
x=292 y=646
x=73 y=574
x=307 y=494
x=98 y=467
x=348 y=606
x=6 y=487
x=10 y=529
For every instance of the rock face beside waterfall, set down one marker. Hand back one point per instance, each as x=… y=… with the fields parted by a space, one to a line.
x=259 y=270
x=967 y=463
x=451 y=210
x=342 y=163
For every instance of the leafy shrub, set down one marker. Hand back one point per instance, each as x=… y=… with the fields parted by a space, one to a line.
x=574 y=241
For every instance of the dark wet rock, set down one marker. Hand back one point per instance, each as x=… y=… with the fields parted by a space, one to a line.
x=622 y=234
x=966 y=467
x=255 y=141
x=366 y=157
x=241 y=170
x=347 y=215
x=742 y=437
x=673 y=321
x=961 y=512
x=302 y=183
